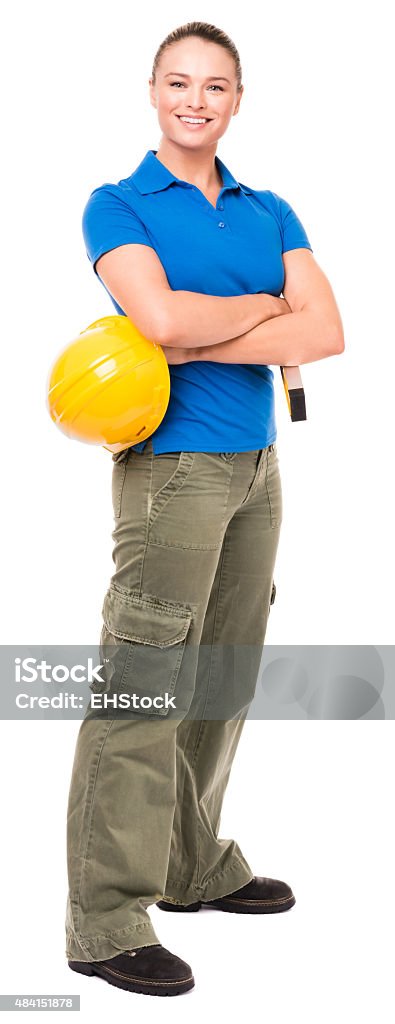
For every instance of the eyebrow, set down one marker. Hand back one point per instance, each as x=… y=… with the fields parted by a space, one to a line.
x=211 y=78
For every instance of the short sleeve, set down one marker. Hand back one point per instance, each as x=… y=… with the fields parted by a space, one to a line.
x=294 y=235
x=108 y=221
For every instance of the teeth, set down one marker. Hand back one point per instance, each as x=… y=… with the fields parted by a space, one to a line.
x=194 y=120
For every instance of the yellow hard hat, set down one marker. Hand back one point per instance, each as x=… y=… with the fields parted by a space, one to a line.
x=111 y=386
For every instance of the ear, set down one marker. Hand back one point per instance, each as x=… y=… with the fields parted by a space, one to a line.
x=152 y=93
x=239 y=95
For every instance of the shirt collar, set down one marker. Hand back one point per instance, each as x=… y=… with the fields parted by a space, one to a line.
x=152 y=176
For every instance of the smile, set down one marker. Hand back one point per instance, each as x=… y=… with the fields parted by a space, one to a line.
x=193 y=122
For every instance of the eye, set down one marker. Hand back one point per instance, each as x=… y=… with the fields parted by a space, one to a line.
x=211 y=86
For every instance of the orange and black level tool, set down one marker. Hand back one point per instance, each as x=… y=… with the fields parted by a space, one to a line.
x=294 y=392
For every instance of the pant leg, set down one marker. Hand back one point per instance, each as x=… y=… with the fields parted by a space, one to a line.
x=169 y=521
x=229 y=659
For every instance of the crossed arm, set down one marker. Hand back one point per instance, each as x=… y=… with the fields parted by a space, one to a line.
x=300 y=328
x=309 y=328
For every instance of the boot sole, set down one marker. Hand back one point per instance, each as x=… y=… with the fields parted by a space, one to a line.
x=149 y=987
x=233 y=906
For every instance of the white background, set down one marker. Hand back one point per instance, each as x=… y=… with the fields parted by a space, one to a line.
x=307 y=803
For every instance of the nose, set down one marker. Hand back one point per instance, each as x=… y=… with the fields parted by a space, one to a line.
x=196 y=101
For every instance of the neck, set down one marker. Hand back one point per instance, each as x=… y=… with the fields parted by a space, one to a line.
x=198 y=167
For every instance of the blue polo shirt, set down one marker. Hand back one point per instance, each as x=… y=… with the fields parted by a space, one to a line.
x=232 y=249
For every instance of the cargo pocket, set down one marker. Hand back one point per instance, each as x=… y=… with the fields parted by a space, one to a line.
x=150 y=638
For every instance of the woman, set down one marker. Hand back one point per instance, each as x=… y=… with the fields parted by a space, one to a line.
x=198 y=262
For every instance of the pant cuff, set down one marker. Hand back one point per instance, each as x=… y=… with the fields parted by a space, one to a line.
x=104 y=947
x=237 y=874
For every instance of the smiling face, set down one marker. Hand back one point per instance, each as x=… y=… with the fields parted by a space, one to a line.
x=196 y=79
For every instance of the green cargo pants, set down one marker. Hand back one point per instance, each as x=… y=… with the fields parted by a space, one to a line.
x=195 y=543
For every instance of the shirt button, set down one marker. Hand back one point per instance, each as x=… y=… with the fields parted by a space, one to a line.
x=221 y=224
x=220 y=206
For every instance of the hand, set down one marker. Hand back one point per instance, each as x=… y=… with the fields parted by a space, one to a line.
x=283 y=306
x=175 y=356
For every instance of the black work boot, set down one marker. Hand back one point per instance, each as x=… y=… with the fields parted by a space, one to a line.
x=151 y=970
x=260 y=895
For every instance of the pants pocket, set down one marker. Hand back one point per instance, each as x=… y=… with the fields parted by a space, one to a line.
x=118 y=482
x=188 y=502
x=142 y=646
x=169 y=473
x=273 y=487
